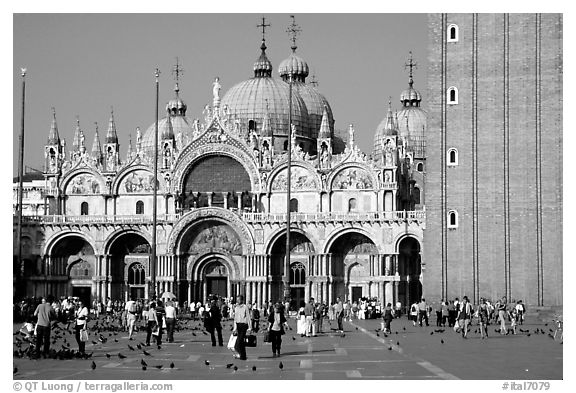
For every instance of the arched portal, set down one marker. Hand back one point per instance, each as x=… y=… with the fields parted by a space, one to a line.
x=71 y=264
x=351 y=255
x=301 y=248
x=129 y=266
x=409 y=269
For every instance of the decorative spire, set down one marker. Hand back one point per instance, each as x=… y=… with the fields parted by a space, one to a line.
x=111 y=136
x=53 y=137
x=263 y=66
x=96 y=147
x=410 y=65
x=129 y=153
x=325 y=125
x=177 y=71
x=78 y=135
x=293 y=30
x=390 y=126
x=266 y=128
x=167 y=130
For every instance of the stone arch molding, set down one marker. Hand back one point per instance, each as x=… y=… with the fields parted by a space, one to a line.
x=273 y=238
x=54 y=239
x=197 y=264
x=113 y=237
x=314 y=182
x=190 y=156
x=403 y=236
x=133 y=169
x=206 y=213
x=343 y=231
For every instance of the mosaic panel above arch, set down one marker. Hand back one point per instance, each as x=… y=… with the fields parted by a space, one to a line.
x=352 y=178
x=301 y=180
x=138 y=182
x=82 y=184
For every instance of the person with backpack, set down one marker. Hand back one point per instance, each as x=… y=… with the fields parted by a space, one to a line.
x=131 y=311
x=414 y=313
x=464 y=316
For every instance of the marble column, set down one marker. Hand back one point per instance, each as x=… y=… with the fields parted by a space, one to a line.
x=388 y=293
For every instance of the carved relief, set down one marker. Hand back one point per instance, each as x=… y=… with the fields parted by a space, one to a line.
x=352 y=179
x=83 y=184
x=301 y=179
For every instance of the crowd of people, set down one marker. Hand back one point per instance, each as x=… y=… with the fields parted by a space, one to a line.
x=158 y=315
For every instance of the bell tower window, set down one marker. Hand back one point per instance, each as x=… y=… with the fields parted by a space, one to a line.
x=452 y=33
x=452 y=157
x=452 y=96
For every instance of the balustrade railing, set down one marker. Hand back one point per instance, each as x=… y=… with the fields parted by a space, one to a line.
x=249 y=217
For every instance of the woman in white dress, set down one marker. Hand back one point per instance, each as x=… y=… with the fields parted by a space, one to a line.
x=301 y=324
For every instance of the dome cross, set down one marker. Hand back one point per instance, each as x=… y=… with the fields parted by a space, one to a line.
x=411 y=64
x=263 y=25
x=293 y=31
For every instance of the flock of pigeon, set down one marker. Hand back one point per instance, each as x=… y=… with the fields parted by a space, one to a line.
x=103 y=331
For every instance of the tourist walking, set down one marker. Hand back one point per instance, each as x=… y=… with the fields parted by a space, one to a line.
x=422 y=312
x=309 y=314
x=171 y=316
x=45 y=313
x=160 y=315
x=152 y=322
x=502 y=314
x=464 y=316
x=339 y=313
x=81 y=324
x=387 y=317
x=276 y=323
x=445 y=313
x=414 y=313
x=483 y=315
x=131 y=311
x=242 y=325
x=214 y=323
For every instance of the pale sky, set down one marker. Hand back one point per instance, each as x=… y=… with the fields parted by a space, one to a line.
x=82 y=64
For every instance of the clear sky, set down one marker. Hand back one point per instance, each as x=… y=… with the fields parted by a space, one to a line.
x=82 y=64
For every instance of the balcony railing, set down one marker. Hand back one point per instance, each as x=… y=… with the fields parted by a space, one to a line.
x=248 y=217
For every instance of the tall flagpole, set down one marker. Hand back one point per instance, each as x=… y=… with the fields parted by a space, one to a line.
x=152 y=291
x=288 y=187
x=20 y=274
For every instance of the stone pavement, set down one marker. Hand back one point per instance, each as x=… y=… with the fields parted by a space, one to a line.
x=413 y=353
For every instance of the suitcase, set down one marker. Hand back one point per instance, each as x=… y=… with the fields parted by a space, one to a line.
x=250 y=340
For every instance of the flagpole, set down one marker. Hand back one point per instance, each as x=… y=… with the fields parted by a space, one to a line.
x=20 y=273
x=288 y=187
x=152 y=291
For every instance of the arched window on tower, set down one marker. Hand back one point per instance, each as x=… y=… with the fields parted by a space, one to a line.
x=139 y=207
x=452 y=96
x=452 y=156
x=452 y=219
x=84 y=209
x=452 y=33
x=293 y=205
x=352 y=205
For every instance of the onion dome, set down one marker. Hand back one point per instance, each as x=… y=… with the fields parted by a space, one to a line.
x=263 y=66
x=176 y=107
x=53 y=137
x=167 y=132
x=388 y=126
x=412 y=120
x=315 y=104
x=295 y=66
x=111 y=135
x=179 y=125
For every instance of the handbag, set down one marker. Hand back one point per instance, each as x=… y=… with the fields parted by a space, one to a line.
x=267 y=336
x=83 y=335
x=250 y=340
x=156 y=330
x=232 y=343
x=456 y=327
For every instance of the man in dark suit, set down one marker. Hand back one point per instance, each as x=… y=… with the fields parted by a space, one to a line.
x=213 y=322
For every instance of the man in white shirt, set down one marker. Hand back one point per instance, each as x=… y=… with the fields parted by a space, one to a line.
x=171 y=312
x=130 y=308
x=242 y=324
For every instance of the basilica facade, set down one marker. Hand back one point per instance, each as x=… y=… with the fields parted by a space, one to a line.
x=357 y=219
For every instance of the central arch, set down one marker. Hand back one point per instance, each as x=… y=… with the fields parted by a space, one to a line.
x=409 y=269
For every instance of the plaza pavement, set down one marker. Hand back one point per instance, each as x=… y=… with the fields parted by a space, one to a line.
x=413 y=353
